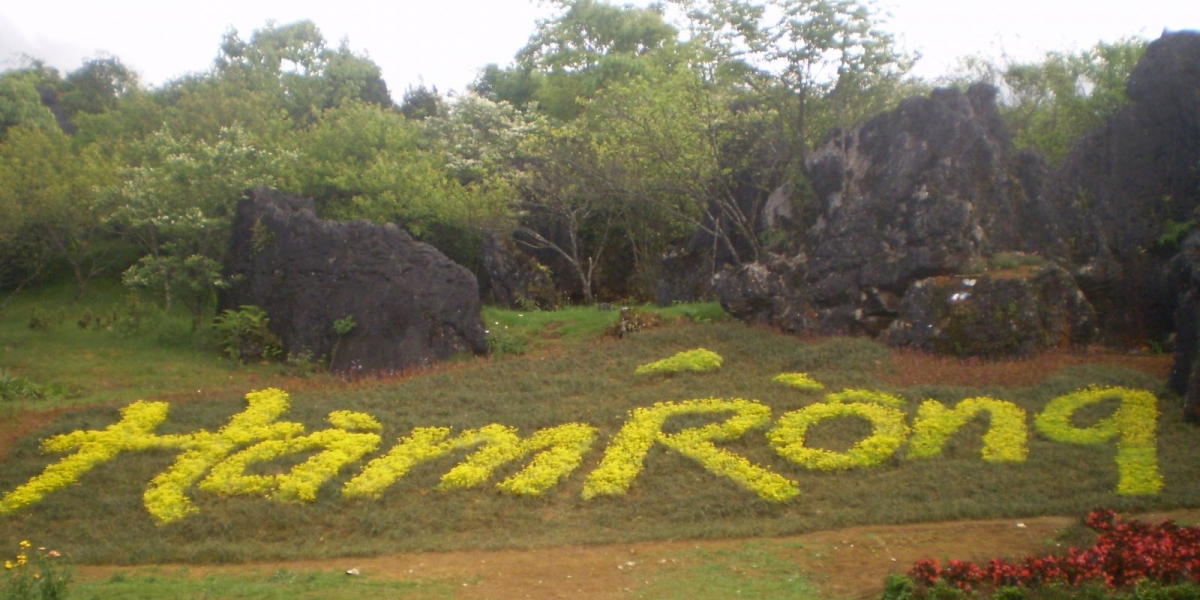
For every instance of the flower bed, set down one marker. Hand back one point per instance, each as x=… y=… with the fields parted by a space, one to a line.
x=625 y=456
x=800 y=381
x=218 y=462
x=889 y=430
x=1005 y=441
x=1133 y=425
x=698 y=360
x=1125 y=554
x=561 y=451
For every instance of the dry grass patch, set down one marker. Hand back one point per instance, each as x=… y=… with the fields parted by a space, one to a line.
x=914 y=368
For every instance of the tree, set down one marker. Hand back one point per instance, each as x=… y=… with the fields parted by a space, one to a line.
x=1051 y=103
x=421 y=103
x=561 y=212
x=53 y=197
x=292 y=63
x=576 y=53
x=177 y=206
x=360 y=161
x=97 y=86
x=479 y=138
x=794 y=53
x=21 y=102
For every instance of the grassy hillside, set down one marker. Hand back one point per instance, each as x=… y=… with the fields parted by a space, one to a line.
x=570 y=375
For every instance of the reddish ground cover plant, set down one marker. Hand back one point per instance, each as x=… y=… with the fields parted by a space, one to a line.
x=1125 y=554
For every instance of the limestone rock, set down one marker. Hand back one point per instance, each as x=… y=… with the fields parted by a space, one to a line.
x=994 y=315
x=1125 y=180
x=1185 y=371
x=411 y=304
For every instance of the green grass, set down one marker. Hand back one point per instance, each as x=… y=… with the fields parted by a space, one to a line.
x=101 y=519
x=574 y=375
x=751 y=571
x=110 y=360
x=284 y=584
x=522 y=331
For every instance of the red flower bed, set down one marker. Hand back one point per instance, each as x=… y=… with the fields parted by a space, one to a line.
x=1124 y=554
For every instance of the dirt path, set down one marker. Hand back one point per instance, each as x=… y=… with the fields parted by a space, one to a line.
x=848 y=563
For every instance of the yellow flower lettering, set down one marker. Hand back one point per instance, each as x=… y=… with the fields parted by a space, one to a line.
x=1005 y=441
x=889 y=432
x=165 y=497
x=624 y=457
x=132 y=433
x=560 y=451
x=1133 y=424
x=341 y=447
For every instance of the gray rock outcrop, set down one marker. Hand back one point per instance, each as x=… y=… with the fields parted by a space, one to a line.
x=933 y=189
x=1015 y=313
x=1185 y=371
x=923 y=191
x=1121 y=185
x=411 y=304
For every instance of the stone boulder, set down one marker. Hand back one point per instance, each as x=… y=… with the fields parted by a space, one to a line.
x=1185 y=371
x=1006 y=313
x=411 y=305
x=1124 y=182
x=922 y=191
x=763 y=293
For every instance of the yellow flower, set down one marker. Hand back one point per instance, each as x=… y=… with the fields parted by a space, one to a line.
x=24 y=544
x=800 y=381
x=698 y=360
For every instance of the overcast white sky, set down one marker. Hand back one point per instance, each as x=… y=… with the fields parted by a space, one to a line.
x=445 y=42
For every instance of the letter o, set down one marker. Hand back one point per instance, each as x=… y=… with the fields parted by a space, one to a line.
x=888 y=433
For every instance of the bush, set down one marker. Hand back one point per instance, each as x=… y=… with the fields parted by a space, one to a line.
x=246 y=335
x=1127 y=557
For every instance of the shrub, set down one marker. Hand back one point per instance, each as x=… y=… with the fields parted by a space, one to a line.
x=245 y=334
x=16 y=387
x=1126 y=554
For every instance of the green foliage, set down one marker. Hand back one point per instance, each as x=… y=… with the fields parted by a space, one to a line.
x=14 y=388
x=97 y=86
x=21 y=102
x=503 y=341
x=177 y=206
x=245 y=334
x=363 y=162
x=50 y=195
x=1052 y=102
x=588 y=46
x=899 y=587
x=291 y=64
x=1173 y=234
x=261 y=236
x=344 y=325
